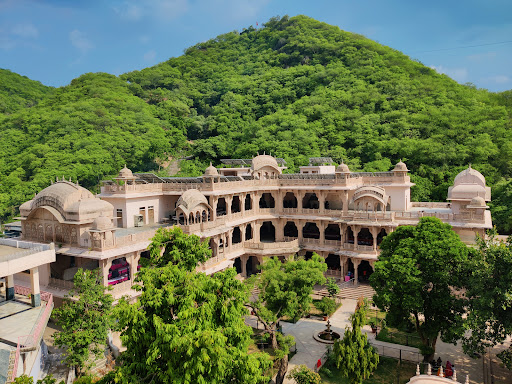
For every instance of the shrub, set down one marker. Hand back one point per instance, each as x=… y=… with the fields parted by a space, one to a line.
x=327 y=306
x=303 y=375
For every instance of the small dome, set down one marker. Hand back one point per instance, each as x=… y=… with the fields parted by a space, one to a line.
x=125 y=173
x=342 y=168
x=261 y=161
x=191 y=199
x=211 y=171
x=102 y=223
x=477 y=202
x=401 y=167
x=469 y=176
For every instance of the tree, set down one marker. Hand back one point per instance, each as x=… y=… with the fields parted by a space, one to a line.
x=353 y=354
x=187 y=327
x=419 y=271
x=171 y=245
x=85 y=319
x=489 y=291
x=303 y=375
x=332 y=288
x=284 y=291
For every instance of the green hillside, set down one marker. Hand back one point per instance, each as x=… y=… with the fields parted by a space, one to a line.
x=17 y=92
x=297 y=88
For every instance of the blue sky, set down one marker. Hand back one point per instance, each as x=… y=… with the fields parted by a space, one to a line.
x=54 y=41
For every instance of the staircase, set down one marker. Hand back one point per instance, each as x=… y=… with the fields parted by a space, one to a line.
x=350 y=292
x=104 y=364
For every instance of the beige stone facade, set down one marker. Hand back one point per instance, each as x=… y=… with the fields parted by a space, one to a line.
x=247 y=215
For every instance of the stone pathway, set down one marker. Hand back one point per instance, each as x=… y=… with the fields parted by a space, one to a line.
x=309 y=350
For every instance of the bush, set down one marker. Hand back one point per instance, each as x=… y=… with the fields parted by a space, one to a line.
x=327 y=306
x=303 y=375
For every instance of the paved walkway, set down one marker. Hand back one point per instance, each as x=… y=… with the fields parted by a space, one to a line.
x=310 y=350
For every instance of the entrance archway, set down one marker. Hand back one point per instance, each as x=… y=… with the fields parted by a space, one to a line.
x=248 y=232
x=310 y=201
x=235 y=204
x=221 y=207
x=248 y=202
x=267 y=201
x=289 y=200
x=332 y=232
x=267 y=232
x=310 y=231
x=237 y=236
x=333 y=262
x=252 y=265
x=382 y=234
x=364 y=237
x=238 y=265
x=364 y=271
x=290 y=230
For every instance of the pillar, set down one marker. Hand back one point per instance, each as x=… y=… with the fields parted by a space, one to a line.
x=256 y=234
x=243 y=228
x=279 y=201
x=356 y=263
x=342 y=266
x=279 y=229
x=345 y=202
x=321 y=202
x=299 y=230
x=241 y=198
x=229 y=201
x=374 y=231
x=34 y=285
x=321 y=228
x=9 y=290
x=214 y=208
x=355 y=230
x=243 y=261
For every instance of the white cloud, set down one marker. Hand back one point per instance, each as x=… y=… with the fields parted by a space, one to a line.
x=131 y=10
x=26 y=30
x=487 y=56
x=80 y=41
x=457 y=74
x=498 y=79
x=150 y=55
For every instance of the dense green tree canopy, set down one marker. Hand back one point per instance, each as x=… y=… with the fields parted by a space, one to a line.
x=489 y=290
x=416 y=278
x=353 y=354
x=296 y=87
x=171 y=245
x=18 y=92
x=187 y=327
x=86 y=321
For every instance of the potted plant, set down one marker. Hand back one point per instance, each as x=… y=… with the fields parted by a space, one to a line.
x=373 y=326
x=327 y=306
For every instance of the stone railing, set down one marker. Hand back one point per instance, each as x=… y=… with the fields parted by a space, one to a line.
x=61 y=284
x=276 y=245
x=135 y=237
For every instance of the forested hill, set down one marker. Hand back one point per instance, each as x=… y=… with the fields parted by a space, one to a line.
x=18 y=91
x=297 y=88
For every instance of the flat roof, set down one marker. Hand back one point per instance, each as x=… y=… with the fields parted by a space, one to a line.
x=9 y=253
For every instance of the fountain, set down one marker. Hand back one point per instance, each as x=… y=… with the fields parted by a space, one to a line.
x=327 y=336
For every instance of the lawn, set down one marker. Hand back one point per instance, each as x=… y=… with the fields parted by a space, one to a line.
x=387 y=372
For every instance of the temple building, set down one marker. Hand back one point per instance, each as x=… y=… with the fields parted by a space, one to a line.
x=248 y=209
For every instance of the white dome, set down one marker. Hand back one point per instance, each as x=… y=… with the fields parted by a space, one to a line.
x=400 y=166
x=261 y=161
x=211 y=171
x=102 y=223
x=342 y=168
x=469 y=176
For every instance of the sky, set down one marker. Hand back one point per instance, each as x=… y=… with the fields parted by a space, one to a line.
x=54 y=41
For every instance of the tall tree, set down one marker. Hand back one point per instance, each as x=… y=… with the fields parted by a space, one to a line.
x=187 y=327
x=419 y=271
x=489 y=291
x=171 y=245
x=85 y=319
x=284 y=291
x=353 y=354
